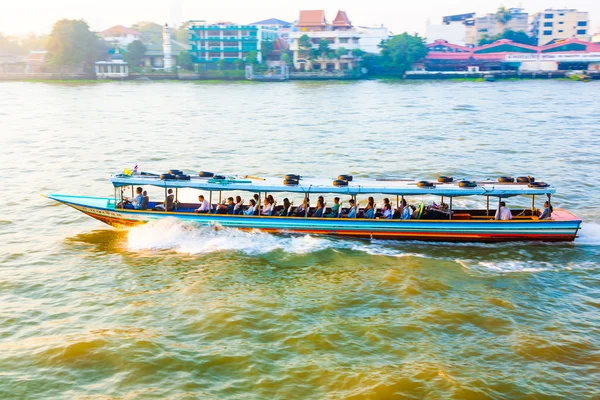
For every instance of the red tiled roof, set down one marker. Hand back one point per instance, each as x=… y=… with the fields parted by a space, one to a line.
x=36 y=57
x=341 y=19
x=312 y=18
x=118 y=30
x=589 y=46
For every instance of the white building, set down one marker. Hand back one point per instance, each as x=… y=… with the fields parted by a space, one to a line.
x=120 y=35
x=596 y=37
x=371 y=37
x=112 y=69
x=551 y=25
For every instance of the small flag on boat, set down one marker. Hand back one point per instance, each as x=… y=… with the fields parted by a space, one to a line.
x=135 y=168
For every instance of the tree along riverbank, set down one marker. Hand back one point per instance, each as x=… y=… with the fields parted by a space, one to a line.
x=227 y=75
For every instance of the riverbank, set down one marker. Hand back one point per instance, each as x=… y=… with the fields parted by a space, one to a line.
x=304 y=76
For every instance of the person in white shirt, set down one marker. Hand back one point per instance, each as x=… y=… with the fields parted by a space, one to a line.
x=239 y=203
x=267 y=207
x=204 y=206
x=250 y=209
x=503 y=213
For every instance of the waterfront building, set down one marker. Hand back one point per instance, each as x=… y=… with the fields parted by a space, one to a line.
x=550 y=25
x=339 y=34
x=35 y=61
x=569 y=54
x=458 y=29
x=283 y=28
x=371 y=37
x=155 y=54
x=491 y=24
x=226 y=41
x=119 y=35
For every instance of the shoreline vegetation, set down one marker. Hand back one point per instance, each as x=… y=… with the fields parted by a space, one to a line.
x=226 y=76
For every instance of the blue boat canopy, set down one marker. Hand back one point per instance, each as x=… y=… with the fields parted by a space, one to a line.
x=402 y=187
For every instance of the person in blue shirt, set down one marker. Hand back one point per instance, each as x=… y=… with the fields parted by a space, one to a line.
x=406 y=211
x=352 y=211
x=250 y=209
x=136 y=202
x=547 y=214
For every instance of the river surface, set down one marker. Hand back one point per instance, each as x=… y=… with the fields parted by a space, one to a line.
x=171 y=310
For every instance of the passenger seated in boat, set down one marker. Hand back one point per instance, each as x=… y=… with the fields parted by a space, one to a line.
x=503 y=213
x=387 y=211
x=301 y=210
x=319 y=209
x=136 y=202
x=352 y=210
x=204 y=206
x=239 y=203
x=406 y=210
x=226 y=208
x=286 y=208
x=386 y=201
x=250 y=209
x=168 y=203
x=267 y=208
x=145 y=201
x=369 y=212
x=335 y=208
x=547 y=214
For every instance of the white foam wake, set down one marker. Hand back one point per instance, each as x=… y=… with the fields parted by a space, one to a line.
x=589 y=234
x=190 y=238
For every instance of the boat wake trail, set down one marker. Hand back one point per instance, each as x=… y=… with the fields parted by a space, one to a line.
x=190 y=238
x=589 y=234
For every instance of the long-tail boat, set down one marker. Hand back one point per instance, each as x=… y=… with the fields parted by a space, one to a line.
x=434 y=222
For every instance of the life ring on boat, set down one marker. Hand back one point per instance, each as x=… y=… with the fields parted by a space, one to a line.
x=525 y=179
x=422 y=184
x=538 y=185
x=181 y=177
x=445 y=179
x=290 y=182
x=506 y=179
x=293 y=177
x=467 y=184
x=166 y=177
x=347 y=178
x=340 y=182
x=219 y=177
x=176 y=172
x=205 y=174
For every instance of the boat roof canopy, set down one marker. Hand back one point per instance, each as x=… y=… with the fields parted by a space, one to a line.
x=402 y=187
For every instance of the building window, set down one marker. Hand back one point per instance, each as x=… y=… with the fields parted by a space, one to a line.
x=582 y=23
x=343 y=40
x=581 y=31
x=548 y=16
x=560 y=31
x=560 y=23
x=548 y=24
x=547 y=33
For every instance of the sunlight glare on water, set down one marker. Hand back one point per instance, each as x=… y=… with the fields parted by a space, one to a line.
x=174 y=310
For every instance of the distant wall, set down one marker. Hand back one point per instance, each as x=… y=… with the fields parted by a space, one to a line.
x=45 y=76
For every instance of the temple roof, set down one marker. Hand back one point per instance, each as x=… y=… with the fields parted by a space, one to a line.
x=341 y=19
x=312 y=18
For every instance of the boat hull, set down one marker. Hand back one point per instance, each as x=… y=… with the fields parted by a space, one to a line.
x=563 y=227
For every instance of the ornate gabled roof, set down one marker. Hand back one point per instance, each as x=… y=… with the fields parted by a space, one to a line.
x=312 y=18
x=118 y=30
x=341 y=20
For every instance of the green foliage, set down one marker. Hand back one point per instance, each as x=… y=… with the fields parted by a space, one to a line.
x=285 y=58
x=516 y=36
x=150 y=31
x=341 y=51
x=358 y=53
x=135 y=53
x=238 y=64
x=252 y=57
x=266 y=48
x=313 y=54
x=304 y=43
x=503 y=16
x=400 y=52
x=323 y=47
x=181 y=34
x=221 y=64
x=185 y=61
x=71 y=43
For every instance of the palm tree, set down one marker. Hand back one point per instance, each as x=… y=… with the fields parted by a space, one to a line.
x=503 y=16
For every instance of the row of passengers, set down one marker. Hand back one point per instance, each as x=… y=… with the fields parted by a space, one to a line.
x=231 y=207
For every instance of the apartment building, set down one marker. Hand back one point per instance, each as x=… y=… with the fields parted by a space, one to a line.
x=551 y=25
